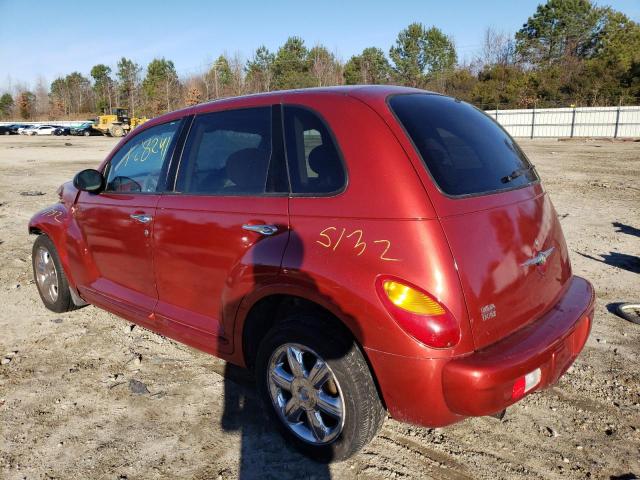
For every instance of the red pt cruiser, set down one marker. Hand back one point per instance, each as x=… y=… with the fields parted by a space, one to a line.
x=363 y=249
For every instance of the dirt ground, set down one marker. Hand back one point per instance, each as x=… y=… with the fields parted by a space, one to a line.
x=68 y=408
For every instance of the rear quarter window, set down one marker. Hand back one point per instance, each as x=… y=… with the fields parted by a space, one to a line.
x=463 y=149
x=315 y=165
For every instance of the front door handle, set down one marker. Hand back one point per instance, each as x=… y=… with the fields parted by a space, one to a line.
x=261 y=229
x=141 y=217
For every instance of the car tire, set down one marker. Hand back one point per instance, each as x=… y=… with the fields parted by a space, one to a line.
x=629 y=311
x=49 y=276
x=357 y=413
x=117 y=131
x=86 y=134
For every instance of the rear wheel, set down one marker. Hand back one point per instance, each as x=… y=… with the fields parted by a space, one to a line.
x=317 y=386
x=50 y=278
x=86 y=133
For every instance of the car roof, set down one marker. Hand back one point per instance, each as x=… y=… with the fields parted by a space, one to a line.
x=382 y=91
x=370 y=91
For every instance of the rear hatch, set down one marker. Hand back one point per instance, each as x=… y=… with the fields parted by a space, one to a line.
x=502 y=229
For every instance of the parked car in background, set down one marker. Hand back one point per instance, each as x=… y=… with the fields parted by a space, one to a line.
x=5 y=130
x=62 y=131
x=15 y=127
x=23 y=129
x=247 y=228
x=41 y=130
x=86 y=129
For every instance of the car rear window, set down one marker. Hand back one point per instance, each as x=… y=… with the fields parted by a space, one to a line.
x=463 y=149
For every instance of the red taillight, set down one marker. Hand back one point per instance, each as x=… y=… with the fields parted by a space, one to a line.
x=518 y=389
x=525 y=384
x=418 y=313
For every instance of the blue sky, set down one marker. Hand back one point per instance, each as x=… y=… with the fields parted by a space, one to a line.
x=56 y=38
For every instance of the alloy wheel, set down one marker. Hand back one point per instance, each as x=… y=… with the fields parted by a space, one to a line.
x=306 y=394
x=46 y=275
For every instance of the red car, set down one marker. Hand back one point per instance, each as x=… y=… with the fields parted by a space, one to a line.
x=365 y=250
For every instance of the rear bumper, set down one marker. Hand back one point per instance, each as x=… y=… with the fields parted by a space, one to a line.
x=437 y=392
x=482 y=383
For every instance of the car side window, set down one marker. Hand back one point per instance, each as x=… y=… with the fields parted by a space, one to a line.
x=137 y=165
x=228 y=153
x=315 y=166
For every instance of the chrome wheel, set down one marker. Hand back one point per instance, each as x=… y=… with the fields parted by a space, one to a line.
x=306 y=394
x=46 y=274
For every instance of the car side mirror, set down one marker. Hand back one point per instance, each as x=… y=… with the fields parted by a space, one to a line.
x=89 y=180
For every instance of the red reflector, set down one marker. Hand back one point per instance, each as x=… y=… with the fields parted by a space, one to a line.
x=526 y=384
x=518 y=389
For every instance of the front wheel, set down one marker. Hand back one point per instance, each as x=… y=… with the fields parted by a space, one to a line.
x=117 y=131
x=316 y=385
x=50 y=278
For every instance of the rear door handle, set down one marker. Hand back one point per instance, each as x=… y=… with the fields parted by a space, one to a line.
x=261 y=229
x=141 y=217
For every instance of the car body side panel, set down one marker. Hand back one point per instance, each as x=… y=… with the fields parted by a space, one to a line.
x=118 y=248
x=382 y=224
x=206 y=262
x=342 y=259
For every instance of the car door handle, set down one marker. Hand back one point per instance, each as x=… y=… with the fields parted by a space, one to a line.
x=141 y=217
x=261 y=229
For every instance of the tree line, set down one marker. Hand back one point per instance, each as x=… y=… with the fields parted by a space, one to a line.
x=569 y=52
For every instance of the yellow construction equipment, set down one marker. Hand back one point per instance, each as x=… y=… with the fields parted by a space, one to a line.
x=118 y=123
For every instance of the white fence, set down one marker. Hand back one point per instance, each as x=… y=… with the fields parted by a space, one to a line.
x=614 y=122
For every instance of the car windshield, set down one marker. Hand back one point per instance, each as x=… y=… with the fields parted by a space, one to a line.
x=464 y=150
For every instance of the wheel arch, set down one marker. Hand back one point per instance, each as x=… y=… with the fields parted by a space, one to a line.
x=51 y=222
x=273 y=307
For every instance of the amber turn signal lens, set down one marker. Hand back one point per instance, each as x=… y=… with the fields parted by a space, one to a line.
x=411 y=300
x=419 y=314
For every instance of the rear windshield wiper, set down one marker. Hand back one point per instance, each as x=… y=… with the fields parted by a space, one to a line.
x=517 y=173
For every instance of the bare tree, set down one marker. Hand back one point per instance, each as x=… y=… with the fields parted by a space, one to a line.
x=41 y=107
x=236 y=66
x=325 y=68
x=498 y=48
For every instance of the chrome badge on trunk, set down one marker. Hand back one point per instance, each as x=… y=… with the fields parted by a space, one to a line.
x=539 y=259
